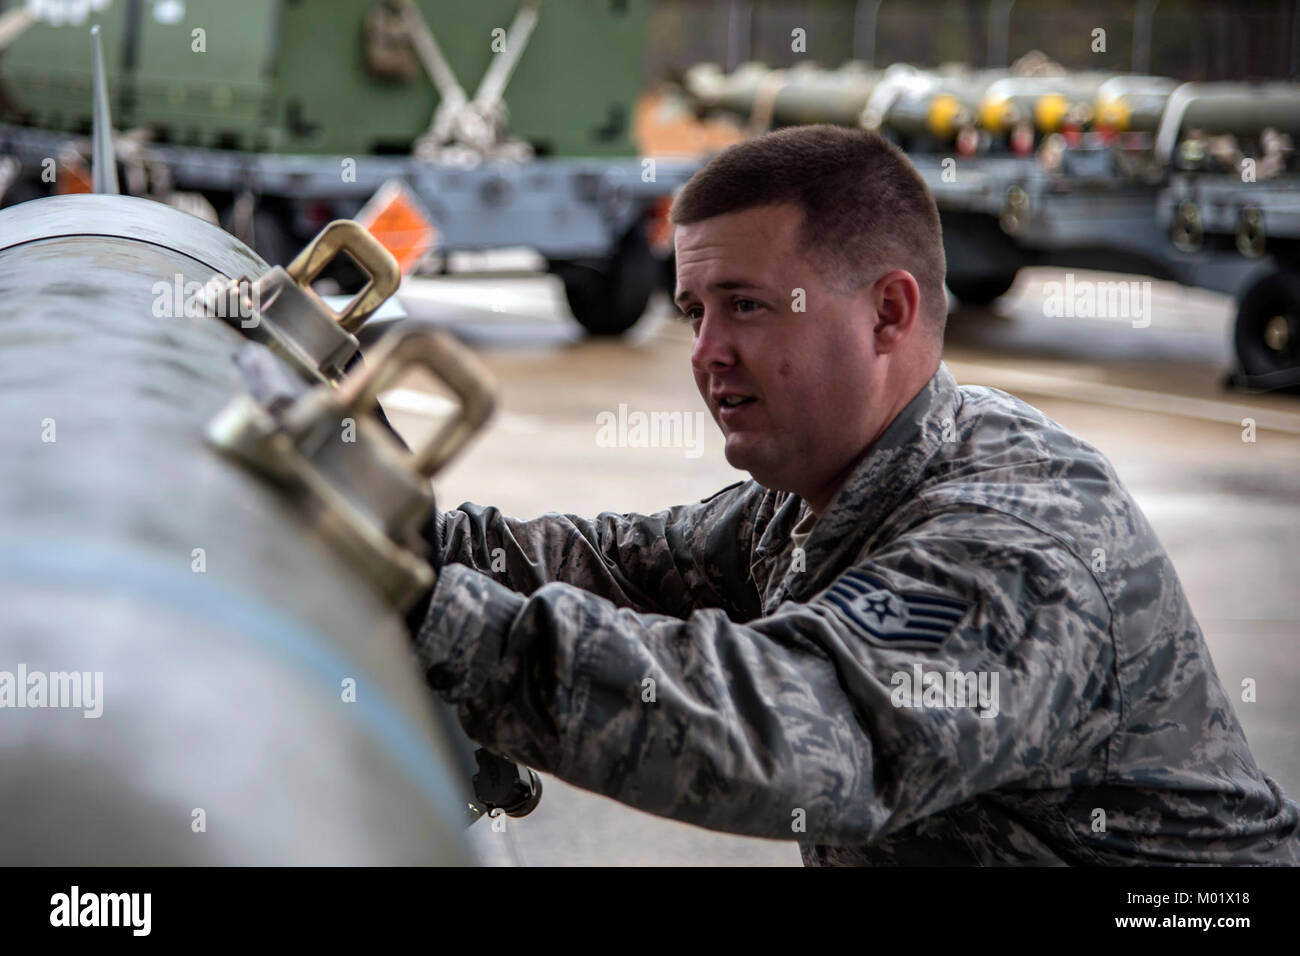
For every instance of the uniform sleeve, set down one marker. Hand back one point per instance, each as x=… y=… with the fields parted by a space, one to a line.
x=671 y=562
x=818 y=722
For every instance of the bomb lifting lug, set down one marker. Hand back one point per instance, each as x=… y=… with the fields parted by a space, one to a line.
x=280 y=310
x=323 y=445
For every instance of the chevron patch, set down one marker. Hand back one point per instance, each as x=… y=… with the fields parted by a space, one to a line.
x=888 y=618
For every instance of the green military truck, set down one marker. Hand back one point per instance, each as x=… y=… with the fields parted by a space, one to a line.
x=499 y=122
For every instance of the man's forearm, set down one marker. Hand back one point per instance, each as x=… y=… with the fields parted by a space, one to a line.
x=523 y=555
x=649 y=563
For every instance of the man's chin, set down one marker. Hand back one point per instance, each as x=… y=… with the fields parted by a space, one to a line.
x=742 y=454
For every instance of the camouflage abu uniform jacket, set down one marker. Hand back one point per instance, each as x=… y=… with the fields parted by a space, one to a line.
x=983 y=656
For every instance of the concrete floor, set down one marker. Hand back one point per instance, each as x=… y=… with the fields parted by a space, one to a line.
x=1227 y=511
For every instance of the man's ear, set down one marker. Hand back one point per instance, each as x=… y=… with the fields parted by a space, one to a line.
x=897 y=301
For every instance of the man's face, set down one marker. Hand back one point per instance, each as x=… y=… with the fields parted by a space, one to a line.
x=805 y=377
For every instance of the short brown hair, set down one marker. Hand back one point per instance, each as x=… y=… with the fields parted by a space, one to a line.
x=866 y=209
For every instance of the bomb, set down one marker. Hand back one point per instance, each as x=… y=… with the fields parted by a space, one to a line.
x=257 y=699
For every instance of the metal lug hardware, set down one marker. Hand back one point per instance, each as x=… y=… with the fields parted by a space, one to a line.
x=359 y=484
x=280 y=310
x=451 y=362
x=1252 y=242
x=1014 y=210
x=344 y=235
x=1188 y=233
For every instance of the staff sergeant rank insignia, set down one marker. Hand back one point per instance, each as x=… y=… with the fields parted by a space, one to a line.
x=903 y=619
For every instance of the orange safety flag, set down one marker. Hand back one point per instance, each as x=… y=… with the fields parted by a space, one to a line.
x=395 y=216
x=72 y=176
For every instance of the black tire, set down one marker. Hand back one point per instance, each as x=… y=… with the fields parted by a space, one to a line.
x=607 y=296
x=668 y=274
x=980 y=291
x=1267 y=333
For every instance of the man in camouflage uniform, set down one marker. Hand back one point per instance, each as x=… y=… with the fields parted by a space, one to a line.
x=934 y=629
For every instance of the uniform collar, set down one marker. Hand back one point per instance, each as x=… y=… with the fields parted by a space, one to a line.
x=879 y=482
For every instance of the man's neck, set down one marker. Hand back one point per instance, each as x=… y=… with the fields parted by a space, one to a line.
x=820 y=500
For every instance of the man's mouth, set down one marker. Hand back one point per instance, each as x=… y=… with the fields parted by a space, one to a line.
x=734 y=409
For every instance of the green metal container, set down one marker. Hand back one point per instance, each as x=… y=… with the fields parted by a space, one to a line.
x=45 y=74
x=209 y=78
x=294 y=76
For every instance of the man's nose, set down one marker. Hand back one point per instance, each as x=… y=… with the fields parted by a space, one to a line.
x=712 y=348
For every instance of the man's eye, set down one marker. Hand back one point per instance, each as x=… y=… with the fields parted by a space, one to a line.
x=749 y=302
x=690 y=315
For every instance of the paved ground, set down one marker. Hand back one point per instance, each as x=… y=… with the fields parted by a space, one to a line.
x=1227 y=510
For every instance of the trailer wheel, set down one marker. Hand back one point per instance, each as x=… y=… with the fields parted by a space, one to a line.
x=607 y=296
x=980 y=291
x=1268 y=324
x=668 y=274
